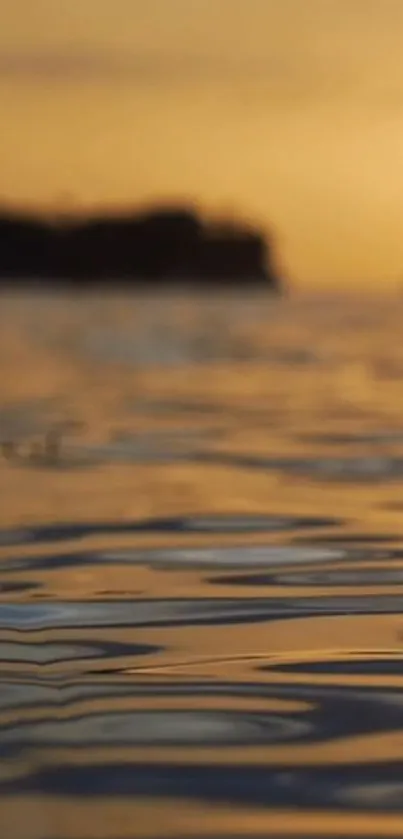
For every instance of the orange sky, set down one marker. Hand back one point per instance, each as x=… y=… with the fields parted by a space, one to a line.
x=288 y=111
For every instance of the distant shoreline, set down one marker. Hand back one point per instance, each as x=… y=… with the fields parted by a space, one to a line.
x=158 y=248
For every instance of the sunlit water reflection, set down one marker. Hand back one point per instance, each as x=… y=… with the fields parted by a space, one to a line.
x=201 y=583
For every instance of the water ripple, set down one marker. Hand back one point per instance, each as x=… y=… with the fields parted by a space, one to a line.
x=360 y=469
x=135 y=728
x=187 y=524
x=262 y=677
x=63 y=652
x=359 y=576
x=215 y=557
x=262 y=785
x=188 y=612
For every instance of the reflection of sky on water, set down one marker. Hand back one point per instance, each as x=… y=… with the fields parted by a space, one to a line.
x=183 y=612
x=176 y=524
x=261 y=467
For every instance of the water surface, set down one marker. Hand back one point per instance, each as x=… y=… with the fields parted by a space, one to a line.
x=201 y=592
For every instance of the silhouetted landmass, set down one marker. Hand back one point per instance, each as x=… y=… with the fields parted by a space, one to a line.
x=151 y=247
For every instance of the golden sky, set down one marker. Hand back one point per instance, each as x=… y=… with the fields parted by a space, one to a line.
x=287 y=111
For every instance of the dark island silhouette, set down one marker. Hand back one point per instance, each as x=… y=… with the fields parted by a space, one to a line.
x=159 y=246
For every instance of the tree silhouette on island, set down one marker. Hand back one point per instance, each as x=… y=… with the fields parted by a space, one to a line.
x=153 y=247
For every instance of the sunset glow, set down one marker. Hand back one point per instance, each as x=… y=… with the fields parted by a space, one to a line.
x=290 y=113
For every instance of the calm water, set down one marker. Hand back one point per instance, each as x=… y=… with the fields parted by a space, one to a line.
x=201 y=593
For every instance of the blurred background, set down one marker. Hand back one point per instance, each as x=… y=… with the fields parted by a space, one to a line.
x=201 y=464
